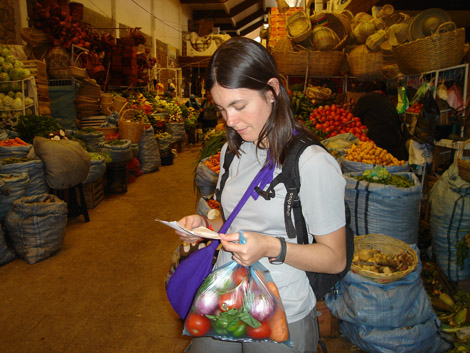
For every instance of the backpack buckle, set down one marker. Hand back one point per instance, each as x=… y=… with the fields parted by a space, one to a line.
x=267 y=195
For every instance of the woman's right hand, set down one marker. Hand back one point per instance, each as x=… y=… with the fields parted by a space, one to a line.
x=190 y=222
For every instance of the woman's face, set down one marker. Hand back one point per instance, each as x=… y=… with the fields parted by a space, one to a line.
x=244 y=110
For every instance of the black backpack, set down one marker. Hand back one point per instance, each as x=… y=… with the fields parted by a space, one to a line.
x=322 y=283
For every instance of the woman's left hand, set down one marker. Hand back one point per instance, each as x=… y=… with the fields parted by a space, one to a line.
x=248 y=253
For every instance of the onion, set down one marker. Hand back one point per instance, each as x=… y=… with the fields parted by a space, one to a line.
x=206 y=303
x=262 y=306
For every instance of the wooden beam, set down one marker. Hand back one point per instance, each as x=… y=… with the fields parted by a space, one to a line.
x=201 y=14
x=251 y=28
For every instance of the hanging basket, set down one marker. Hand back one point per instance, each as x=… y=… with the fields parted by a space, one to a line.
x=444 y=48
x=365 y=63
x=389 y=246
x=76 y=71
x=299 y=62
x=463 y=164
x=129 y=129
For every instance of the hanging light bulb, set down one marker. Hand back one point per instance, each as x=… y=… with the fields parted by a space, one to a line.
x=282 y=6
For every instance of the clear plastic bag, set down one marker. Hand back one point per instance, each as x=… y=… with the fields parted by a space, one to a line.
x=237 y=303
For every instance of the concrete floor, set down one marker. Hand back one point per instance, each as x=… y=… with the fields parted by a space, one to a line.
x=103 y=292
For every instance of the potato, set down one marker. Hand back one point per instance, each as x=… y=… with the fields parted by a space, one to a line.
x=364 y=254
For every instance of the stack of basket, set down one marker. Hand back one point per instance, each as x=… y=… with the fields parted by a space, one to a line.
x=87 y=101
x=38 y=69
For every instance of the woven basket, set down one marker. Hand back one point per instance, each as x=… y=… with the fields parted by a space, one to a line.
x=433 y=52
x=389 y=246
x=340 y=25
x=58 y=63
x=76 y=71
x=318 y=63
x=365 y=63
x=298 y=27
x=34 y=37
x=463 y=164
x=129 y=129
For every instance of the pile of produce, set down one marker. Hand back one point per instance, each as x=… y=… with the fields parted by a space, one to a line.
x=368 y=152
x=213 y=162
x=452 y=309
x=175 y=115
x=381 y=175
x=377 y=261
x=415 y=108
x=30 y=126
x=12 y=143
x=162 y=135
x=328 y=121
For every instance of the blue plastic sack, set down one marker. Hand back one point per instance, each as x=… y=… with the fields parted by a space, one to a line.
x=97 y=168
x=393 y=317
x=36 y=173
x=16 y=184
x=384 y=209
x=354 y=167
x=118 y=153
x=450 y=220
x=149 y=154
x=206 y=178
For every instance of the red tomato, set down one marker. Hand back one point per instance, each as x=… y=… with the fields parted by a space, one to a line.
x=260 y=332
x=197 y=325
x=238 y=275
x=231 y=300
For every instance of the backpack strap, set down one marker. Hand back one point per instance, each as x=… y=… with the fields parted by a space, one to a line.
x=228 y=158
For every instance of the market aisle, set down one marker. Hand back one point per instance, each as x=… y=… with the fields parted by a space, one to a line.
x=104 y=292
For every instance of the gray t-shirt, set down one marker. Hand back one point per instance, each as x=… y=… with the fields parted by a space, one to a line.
x=322 y=197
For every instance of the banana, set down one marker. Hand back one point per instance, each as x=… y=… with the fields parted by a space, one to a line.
x=446 y=299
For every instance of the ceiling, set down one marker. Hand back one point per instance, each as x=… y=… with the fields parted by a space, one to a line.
x=242 y=17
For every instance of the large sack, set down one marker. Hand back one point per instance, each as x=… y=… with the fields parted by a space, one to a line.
x=206 y=178
x=388 y=318
x=354 y=167
x=118 y=153
x=67 y=163
x=384 y=209
x=14 y=151
x=35 y=170
x=6 y=254
x=449 y=220
x=177 y=131
x=149 y=154
x=15 y=187
x=164 y=144
x=97 y=168
x=92 y=138
x=36 y=226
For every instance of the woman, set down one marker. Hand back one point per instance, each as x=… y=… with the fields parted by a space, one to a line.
x=247 y=89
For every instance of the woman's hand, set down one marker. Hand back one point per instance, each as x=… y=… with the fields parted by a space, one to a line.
x=190 y=222
x=256 y=246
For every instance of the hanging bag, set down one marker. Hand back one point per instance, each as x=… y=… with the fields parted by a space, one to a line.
x=189 y=275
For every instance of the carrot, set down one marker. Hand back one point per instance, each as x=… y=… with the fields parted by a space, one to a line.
x=278 y=322
x=20 y=141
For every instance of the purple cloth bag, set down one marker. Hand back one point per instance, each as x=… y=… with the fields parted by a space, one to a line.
x=189 y=275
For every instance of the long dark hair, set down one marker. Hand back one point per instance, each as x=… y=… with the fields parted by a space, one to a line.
x=241 y=62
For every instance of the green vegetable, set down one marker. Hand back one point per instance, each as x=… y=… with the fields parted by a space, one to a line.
x=381 y=175
x=233 y=322
x=13 y=160
x=30 y=126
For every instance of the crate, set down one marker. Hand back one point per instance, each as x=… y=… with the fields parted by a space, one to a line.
x=328 y=324
x=94 y=193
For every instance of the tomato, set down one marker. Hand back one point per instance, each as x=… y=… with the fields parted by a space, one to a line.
x=238 y=275
x=260 y=332
x=231 y=300
x=197 y=325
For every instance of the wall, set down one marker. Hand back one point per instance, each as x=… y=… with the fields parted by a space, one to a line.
x=160 y=19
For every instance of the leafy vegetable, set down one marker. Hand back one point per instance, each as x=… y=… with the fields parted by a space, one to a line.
x=381 y=175
x=30 y=126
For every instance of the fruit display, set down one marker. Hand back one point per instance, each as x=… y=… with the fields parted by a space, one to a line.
x=368 y=152
x=331 y=120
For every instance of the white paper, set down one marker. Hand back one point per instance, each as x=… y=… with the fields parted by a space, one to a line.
x=202 y=232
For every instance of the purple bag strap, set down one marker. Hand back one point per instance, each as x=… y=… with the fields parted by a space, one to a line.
x=186 y=280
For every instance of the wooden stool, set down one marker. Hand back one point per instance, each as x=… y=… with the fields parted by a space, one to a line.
x=70 y=197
